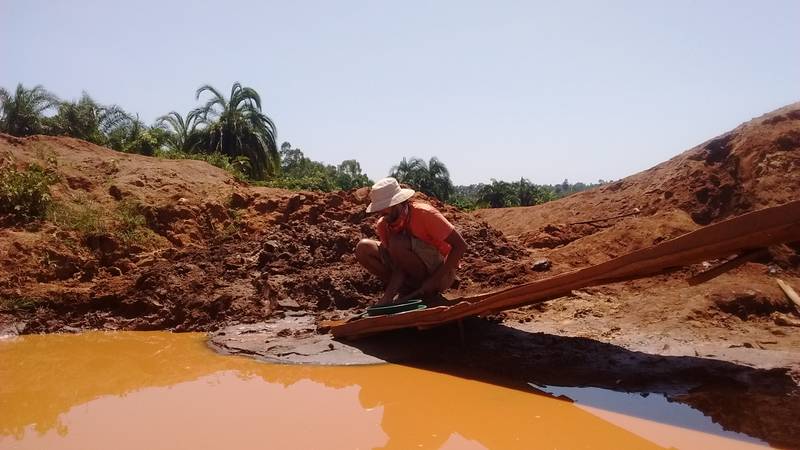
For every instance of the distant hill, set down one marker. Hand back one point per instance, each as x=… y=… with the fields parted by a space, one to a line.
x=753 y=166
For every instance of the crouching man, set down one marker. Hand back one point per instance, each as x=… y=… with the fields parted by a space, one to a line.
x=419 y=250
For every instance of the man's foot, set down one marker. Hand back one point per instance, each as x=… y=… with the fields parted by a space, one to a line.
x=434 y=300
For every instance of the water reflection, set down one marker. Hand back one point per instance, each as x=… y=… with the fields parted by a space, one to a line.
x=160 y=390
x=654 y=417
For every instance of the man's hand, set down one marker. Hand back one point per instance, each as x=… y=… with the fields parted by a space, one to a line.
x=430 y=286
x=433 y=285
x=393 y=287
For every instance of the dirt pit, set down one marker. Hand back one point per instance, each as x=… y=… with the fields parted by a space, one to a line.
x=142 y=244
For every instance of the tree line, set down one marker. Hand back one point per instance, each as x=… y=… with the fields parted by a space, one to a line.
x=235 y=134
x=231 y=132
x=503 y=194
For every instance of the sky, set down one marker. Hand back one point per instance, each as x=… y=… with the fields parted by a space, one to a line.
x=577 y=90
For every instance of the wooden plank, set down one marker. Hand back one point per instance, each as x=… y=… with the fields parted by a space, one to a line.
x=757 y=229
x=790 y=293
x=726 y=266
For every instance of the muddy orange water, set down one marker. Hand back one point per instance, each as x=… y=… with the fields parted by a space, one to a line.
x=169 y=391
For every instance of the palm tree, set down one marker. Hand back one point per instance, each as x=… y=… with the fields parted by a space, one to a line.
x=21 y=114
x=499 y=194
x=127 y=133
x=80 y=119
x=183 y=136
x=439 y=179
x=531 y=194
x=237 y=127
x=432 y=177
x=409 y=171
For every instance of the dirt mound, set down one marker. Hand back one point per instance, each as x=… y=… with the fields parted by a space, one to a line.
x=556 y=235
x=753 y=166
x=628 y=235
x=756 y=165
x=750 y=303
x=182 y=245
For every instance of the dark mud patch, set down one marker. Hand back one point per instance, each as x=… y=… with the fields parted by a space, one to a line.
x=750 y=304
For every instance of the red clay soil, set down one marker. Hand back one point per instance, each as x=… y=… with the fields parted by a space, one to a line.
x=757 y=165
x=212 y=251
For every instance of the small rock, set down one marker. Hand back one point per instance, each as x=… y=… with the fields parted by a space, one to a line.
x=284 y=332
x=239 y=200
x=289 y=303
x=785 y=321
x=265 y=206
x=362 y=195
x=772 y=269
x=542 y=265
x=270 y=246
x=294 y=203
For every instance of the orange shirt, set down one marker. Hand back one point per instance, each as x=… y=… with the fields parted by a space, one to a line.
x=425 y=223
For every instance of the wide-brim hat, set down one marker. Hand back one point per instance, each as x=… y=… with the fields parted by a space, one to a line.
x=386 y=193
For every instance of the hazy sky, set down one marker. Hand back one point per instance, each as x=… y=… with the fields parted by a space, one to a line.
x=543 y=90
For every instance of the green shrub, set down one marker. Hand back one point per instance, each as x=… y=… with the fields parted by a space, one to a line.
x=127 y=221
x=131 y=224
x=237 y=167
x=463 y=203
x=306 y=183
x=17 y=303
x=25 y=193
x=235 y=225
x=84 y=216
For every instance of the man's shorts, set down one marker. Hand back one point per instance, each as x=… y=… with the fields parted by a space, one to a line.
x=426 y=252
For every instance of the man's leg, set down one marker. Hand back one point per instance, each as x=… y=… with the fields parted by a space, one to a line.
x=404 y=258
x=406 y=266
x=368 y=254
x=374 y=257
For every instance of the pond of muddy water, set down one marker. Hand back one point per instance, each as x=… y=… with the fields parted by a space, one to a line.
x=157 y=390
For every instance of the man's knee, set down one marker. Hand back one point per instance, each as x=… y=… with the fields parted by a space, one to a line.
x=366 y=248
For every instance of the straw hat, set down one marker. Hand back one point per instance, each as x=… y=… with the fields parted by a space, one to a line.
x=387 y=192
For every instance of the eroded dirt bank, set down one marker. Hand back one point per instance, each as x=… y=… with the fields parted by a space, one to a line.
x=208 y=250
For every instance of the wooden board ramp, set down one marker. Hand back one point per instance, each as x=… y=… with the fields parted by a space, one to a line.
x=754 y=230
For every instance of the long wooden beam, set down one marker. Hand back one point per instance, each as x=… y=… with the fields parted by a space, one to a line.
x=757 y=229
